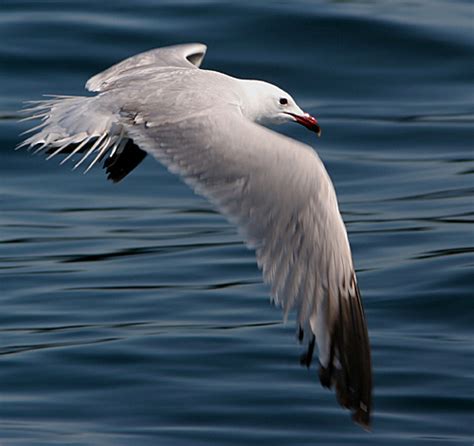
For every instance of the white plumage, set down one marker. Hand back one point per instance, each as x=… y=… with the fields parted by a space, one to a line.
x=207 y=127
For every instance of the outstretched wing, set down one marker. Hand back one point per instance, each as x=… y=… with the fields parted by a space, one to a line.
x=189 y=55
x=274 y=188
x=279 y=194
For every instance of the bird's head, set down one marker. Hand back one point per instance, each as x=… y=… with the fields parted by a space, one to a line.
x=267 y=104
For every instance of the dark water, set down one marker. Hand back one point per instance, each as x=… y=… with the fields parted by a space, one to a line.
x=133 y=314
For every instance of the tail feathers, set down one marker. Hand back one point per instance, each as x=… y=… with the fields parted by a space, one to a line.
x=85 y=128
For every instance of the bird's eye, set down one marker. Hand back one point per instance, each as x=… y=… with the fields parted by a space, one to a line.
x=283 y=101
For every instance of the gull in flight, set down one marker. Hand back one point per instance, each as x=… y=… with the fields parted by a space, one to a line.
x=209 y=128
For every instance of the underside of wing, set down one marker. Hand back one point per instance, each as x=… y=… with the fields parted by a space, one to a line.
x=274 y=188
x=279 y=194
x=188 y=55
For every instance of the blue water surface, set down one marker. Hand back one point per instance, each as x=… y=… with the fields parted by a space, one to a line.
x=132 y=314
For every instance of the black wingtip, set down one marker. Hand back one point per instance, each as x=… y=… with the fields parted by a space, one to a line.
x=121 y=164
x=349 y=368
x=362 y=418
x=307 y=356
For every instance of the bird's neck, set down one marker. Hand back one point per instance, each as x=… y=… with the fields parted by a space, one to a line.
x=251 y=104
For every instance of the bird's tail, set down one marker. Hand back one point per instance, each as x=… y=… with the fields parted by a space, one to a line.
x=85 y=128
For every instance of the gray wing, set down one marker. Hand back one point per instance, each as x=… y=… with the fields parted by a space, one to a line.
x=274 y=188
x=188 y=55
x=279 y=194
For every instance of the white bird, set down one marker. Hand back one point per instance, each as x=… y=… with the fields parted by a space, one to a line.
x=207 y=127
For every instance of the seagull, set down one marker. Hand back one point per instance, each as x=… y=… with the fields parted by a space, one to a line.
x=212 y=130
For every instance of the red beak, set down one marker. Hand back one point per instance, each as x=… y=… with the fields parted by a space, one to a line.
x=308 y=121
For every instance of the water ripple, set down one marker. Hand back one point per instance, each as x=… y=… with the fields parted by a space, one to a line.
x=134 y=314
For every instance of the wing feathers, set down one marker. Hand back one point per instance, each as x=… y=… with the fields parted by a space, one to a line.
x=121 y=163
x=288 y=211
x=189 y=55
x=276 y=189
x=82 y=125
x=349 y=367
